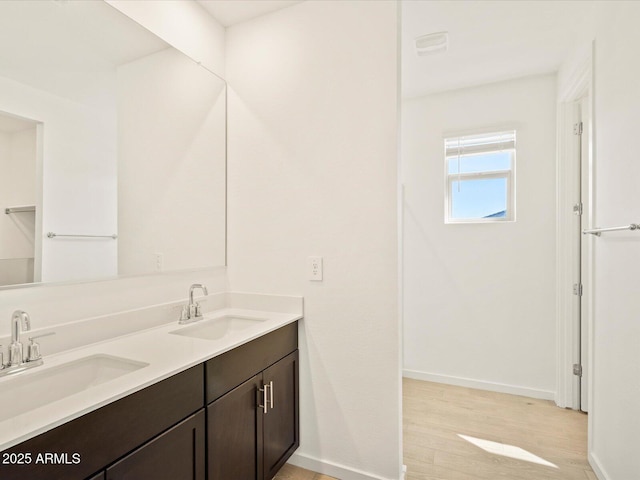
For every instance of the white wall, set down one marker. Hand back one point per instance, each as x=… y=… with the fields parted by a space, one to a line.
x=312 y=171
x=479 y=299
x=52 y=304
x=614 y=425
x=171 y=194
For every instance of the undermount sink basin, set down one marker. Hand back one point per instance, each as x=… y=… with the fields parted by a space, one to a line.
x=217 y=328
x=42 y=385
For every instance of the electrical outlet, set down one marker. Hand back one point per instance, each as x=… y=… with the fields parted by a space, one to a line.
x=315 y=269
x=159 y=259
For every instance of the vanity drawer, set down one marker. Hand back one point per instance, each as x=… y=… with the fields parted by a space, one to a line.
x=227 y=371
x=103 y=436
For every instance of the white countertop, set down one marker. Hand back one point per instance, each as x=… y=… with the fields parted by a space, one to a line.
x=166 y=354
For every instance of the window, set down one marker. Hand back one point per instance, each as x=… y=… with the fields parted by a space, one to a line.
x=479 y=172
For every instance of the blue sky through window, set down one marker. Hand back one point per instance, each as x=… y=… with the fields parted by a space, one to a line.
x=478 y=198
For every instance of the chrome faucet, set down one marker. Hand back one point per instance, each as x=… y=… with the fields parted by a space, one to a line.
x=20 y=322
x=192 y=312
x=15 y=349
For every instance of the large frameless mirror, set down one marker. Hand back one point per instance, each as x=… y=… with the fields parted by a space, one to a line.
x=112 y=148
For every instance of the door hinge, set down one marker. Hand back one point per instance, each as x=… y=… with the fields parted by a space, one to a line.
x=577 y=369
x=577 y=128
x=577 y=289
x=577 y=209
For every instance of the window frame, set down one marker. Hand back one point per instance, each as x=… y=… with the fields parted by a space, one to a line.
x=509 y=175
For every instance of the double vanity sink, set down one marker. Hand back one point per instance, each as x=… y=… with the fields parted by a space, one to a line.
x=47 y=385
x=78 y=384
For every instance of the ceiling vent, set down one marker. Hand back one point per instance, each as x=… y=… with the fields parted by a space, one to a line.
x=432 y=43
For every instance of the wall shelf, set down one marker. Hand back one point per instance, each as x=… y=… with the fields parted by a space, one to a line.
x=23 y=208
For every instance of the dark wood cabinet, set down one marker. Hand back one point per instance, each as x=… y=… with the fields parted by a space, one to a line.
x=178 y=453
x=163 y=431
x=254 y=428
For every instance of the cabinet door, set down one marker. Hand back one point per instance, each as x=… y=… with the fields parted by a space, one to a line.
x=234 y=432
x=178 y=453
x=281 y=424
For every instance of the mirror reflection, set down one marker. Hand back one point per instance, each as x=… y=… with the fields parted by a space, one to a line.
x=112 y=148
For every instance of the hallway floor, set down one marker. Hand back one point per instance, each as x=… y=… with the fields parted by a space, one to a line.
x=458 y=433
x=289 y=472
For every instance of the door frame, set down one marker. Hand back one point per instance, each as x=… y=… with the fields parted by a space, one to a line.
x=578 y=86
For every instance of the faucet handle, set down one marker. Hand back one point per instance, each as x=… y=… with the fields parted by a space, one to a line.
x=193 y=310
x=184 y=314
x=33 y=349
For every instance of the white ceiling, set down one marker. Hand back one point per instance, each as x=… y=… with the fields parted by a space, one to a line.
x=230 y=12
x=489 y=40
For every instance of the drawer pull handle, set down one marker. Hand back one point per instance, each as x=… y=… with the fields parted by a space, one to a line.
x=264 y=398
x=270 y=393
x=267 y=396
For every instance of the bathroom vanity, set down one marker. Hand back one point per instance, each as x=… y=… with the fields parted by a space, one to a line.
x=231 y=413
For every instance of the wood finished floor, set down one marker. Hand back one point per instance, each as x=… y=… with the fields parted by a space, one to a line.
x=289 y=472
x=435 y=415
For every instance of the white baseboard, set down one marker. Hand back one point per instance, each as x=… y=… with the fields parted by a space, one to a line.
x=479 y=384
x=597 y=467
x=332 y=469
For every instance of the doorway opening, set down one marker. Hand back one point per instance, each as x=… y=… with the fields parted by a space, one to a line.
x=19 y=139
x=498 y=307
